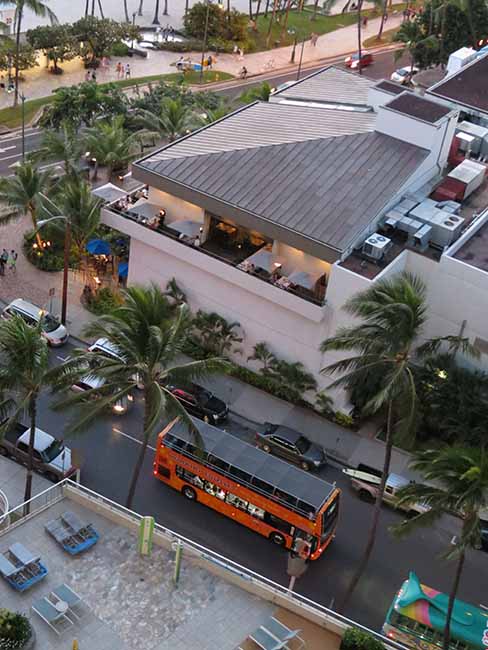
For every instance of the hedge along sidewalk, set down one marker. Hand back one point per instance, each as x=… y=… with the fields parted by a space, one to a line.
x=11 y=117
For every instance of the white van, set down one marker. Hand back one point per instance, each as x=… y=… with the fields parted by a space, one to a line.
x=52 y=330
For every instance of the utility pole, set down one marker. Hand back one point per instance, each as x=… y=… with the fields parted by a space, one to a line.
x=22 y=99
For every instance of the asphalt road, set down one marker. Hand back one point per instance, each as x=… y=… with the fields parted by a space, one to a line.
x=108 y=450
x=11 y=143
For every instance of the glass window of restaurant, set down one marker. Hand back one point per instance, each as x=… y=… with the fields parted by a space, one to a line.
x=233 y=240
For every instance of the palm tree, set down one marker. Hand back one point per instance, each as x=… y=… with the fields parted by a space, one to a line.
x=22 y=190
x=126 y=12
x=410 y=34
x=156 y=13
x=149 y=335
x=24 y=374
x=212 y=115
x=260 y=93
x=139 y=11
x=173 y=120
x=61 y=145
x=263 y=355
x=39 y=8
x=460 y=478
x=111 y=144
x=80 y=209
x=392 y=314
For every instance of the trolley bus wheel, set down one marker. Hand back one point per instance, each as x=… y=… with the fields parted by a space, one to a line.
x=364 y=495
x=189 y=493
x=277 y=539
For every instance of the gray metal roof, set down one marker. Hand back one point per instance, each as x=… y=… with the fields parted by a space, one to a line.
x=418 y=107
x=287 y=483
x=467 y=87
x=327 y=189
x=333 y=85
x=264 y=124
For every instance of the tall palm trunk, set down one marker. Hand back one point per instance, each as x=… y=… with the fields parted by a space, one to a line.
x=443 y=34
x=139 y=11
x=156 y=14
x=271 y=21
x=315 y=9
x=267 y=9
x=376 y=514
x=126 y=12
x=360 y=68
x=250 y=9
x=33 y=216
x=452 y=597
x=140 y=458
x=258 y=8
x=285 y=22
x=30 y=456
x=87 y=8
x=20 y=10
x=165 y=11
x=382 y=22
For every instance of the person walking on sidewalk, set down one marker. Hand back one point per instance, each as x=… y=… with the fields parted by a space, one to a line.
x=4 y=258
x=119 y=70
x=127 y=71
x=12 y=261
x=2 y=265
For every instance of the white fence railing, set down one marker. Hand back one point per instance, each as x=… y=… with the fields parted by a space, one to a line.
x=267 y=589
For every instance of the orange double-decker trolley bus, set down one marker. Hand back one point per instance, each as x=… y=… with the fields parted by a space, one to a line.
x=292 y=508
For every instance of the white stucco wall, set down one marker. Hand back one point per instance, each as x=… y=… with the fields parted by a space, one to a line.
x=294 y=259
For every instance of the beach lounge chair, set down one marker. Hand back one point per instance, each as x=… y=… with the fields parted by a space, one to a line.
x=274 y=635
x=72 y=534
x=75 y=603
x=58 y=621
x=21 y=568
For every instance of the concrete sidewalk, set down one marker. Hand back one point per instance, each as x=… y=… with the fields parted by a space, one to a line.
x=40 y=83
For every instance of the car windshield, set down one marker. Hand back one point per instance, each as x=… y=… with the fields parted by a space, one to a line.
x=402 y=72
x=302 y=444
x=54 y=449
x=203 y=396
x=49 y=323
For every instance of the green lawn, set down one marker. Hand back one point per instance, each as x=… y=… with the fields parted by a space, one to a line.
x=386 y=38
x=303 y=25
x=12 y=117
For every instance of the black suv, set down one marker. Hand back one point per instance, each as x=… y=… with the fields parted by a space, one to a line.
x=288 y=443
x=201 y=403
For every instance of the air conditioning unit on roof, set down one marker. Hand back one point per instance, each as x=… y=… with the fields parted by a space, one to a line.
x=376 y=246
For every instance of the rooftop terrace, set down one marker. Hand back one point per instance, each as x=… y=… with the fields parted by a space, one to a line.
x=132 y=599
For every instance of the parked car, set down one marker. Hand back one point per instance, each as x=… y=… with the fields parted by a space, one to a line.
x=104 y=347
x=291 y=445
x=55 y=333
x=90 y=382
x=201 y=403
x=352 y=61
x=365 y=481
x=51 y=457
x=404 y=75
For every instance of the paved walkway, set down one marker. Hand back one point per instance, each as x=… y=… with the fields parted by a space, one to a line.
x=39 y=82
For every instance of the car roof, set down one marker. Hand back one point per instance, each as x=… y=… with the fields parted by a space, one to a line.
x=42 y=440
x=91 y=381
x=105 y=345
x=397 y=481
x=27 y=307
x=289 y=434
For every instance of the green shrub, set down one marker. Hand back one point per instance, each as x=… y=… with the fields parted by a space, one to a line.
x=354 y=639
x=119 y=49
x=344 y=419
x=191 y=45
x=104 y=301
x=15 y=630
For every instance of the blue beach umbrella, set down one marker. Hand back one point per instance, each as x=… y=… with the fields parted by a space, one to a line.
x=98 y=247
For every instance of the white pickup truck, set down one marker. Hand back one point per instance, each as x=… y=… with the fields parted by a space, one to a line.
x=51 y=457
x=366 y=484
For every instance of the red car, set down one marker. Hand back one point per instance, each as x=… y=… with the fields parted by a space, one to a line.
x=353 y=60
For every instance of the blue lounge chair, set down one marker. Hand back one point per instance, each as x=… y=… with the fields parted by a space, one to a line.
x=56 y=620
x=21 y=568
x=74 y=535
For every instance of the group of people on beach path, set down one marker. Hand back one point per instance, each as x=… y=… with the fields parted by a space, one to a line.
x=8 y=260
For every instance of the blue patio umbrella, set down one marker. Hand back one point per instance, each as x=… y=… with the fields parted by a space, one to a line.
x=98 y=247
x=123 y=269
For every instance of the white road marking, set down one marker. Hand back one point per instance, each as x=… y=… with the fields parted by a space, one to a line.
x=4 y=149
x=18 y=135
x=126 y=435
x=61 y=358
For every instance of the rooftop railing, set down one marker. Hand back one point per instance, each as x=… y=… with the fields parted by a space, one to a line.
x=264 y=587
x=166 y=231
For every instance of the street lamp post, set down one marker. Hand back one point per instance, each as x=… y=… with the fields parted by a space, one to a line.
x=205 y=36
x=292 y=32
x=22 y=98
x=301 y=59
x=67 y=248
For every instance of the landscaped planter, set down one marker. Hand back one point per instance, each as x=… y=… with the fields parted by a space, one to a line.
x=16 y=632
